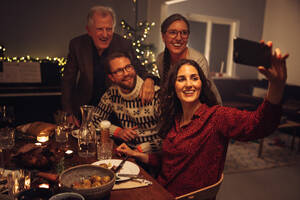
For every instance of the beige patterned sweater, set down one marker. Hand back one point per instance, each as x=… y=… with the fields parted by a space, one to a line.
x=131 y=113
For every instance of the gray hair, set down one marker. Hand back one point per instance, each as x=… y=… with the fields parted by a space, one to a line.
x=103 y=11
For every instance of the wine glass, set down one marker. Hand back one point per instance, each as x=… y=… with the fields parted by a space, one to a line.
x=62 y=131
x=2 y=167
x=7 y=141
x=7 y=116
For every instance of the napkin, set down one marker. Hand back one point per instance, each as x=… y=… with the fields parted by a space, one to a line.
x=134 y=183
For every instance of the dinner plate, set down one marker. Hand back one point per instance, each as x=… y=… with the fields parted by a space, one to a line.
x=128 y=167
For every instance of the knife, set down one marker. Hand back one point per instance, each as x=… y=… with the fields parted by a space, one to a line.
x=117 y=169
x=129 y=175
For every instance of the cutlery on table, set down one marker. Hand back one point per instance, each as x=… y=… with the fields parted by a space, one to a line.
x=129 y=175
x=117 y=169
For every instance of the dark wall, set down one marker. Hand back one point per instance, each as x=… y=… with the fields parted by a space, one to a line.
x=44 y=28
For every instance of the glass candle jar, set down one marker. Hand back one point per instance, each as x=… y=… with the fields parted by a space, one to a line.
x=42 y=137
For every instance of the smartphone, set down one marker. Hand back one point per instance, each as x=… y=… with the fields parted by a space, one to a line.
x=251 y=53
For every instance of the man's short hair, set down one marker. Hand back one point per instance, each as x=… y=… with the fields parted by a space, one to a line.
x=102 y=11
x=114 y=55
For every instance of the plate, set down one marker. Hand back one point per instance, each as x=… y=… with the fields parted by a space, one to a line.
x=128 y=167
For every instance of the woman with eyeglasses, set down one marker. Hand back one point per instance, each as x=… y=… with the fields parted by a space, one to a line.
x=175 y=32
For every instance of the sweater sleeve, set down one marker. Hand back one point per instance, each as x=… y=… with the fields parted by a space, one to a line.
x=150 y=146
x=249 y=125
x=103 y=110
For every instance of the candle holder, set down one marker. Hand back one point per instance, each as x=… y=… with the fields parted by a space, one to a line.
x=43 y=137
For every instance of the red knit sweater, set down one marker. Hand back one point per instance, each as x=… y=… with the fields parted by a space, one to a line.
x=193 y=156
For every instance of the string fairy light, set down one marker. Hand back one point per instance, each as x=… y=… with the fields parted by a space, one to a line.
x=138 y=37
x=61 y=62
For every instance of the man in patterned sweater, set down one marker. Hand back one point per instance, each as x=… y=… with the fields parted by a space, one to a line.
x=138 y=120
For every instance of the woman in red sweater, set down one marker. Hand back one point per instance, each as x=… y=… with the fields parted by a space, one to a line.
x=196 y=130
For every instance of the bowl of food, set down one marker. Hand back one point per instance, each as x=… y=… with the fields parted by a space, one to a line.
x=67 y=196
x=91 y=181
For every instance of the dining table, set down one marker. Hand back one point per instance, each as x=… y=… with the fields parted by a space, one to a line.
x=64 y=161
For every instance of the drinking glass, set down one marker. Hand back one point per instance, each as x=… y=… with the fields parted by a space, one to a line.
x=7 y=138
x=2 y=167
x=87 y=138
x=104 y=149
x=18 y=181
x=61 y=134
x=62 y=131
x=7 y=116
x=7 y=141
x=87 y=142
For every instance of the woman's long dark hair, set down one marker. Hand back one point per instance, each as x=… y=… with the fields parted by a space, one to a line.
x=170 y=105
x=164 y=27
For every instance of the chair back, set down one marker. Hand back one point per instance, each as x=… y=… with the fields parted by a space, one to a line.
x=209 y=192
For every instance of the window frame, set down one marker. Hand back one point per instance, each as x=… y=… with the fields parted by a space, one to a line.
x=234 y=32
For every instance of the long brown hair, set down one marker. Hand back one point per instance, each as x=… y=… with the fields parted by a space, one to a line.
x=170 y=106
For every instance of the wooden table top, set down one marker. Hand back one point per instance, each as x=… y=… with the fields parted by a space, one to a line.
x=152 y=192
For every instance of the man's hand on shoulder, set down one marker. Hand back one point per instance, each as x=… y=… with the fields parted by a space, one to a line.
x=147 y=91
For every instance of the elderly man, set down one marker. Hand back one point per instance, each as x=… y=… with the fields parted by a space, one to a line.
x=83 y=80
x=138 y=120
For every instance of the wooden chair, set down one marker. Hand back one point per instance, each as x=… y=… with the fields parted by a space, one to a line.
x=209 y=192
x=290 y=127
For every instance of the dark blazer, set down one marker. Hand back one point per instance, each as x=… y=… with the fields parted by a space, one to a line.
x=77 y=80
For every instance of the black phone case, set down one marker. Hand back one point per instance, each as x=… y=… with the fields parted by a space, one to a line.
x=251 y=53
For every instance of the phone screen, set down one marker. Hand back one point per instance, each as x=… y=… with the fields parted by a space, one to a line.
x=251 y=53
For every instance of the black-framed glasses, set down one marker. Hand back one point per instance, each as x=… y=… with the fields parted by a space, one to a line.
x=173 y=33
x=120 y=72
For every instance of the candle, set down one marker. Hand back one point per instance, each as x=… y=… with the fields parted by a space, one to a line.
x=42 y=137
x=44 y=185
x=27 y=182
x=69 y=151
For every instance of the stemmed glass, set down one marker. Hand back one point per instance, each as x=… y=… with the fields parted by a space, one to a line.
x=7 y=116
x=7 y=141
x=62 y=131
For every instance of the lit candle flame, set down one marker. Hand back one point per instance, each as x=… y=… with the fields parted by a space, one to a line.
x=42 y=137
x=44 y=185
x=69 y=151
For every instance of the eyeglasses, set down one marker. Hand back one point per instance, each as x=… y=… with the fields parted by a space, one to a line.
x=120 y=72
x=173 y=33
